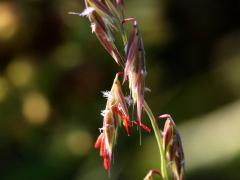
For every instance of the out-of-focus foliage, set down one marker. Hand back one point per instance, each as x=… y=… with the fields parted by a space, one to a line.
x=52 y=70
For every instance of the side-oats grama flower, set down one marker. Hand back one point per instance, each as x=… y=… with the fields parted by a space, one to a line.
x=105 y=17
x=173 y=147
x=135 y=68
x=115 y=114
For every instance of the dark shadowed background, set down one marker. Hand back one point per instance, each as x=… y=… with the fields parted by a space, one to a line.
x=53 y=69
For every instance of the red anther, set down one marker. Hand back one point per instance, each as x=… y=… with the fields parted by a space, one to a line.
x=145 y=127
x=116 y=110
x=102 y=148
x=124 y=118
x=106 y=163
x=98 y=141
x=126 y=125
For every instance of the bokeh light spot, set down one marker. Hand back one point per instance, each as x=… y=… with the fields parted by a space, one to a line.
x=36 y=108
x=79 y=142
x=8 y=21
x=20 y=72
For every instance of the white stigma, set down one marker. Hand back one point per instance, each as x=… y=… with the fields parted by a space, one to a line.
x=128 y=100
x=107 y=94
x=87 y=12
x=104 y=112
x=93 y=26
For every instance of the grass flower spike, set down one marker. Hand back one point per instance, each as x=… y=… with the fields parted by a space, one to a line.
x=173 y=147
x=115 y=111
x=135 y=69
x=107 y=18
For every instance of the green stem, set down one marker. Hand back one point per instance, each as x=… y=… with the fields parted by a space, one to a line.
x=158 y=136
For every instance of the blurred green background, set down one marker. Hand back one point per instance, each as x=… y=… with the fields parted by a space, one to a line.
x=53 y=69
